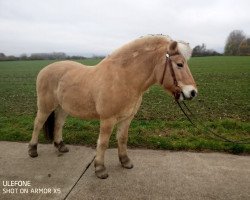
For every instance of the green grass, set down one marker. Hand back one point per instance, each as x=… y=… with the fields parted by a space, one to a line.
x=222 y=105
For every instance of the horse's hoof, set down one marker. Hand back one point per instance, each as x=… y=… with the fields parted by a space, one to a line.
x=101 y=172
x=61 y=147
x=126 y=162
x=32 y=150
x=128 y=165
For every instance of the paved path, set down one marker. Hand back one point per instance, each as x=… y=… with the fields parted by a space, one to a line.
x=156 y=175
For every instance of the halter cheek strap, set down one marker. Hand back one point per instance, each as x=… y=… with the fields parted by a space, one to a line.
x=165 y=67
x=177 y=93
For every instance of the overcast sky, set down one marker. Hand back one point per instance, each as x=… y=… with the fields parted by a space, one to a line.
x=86 y=27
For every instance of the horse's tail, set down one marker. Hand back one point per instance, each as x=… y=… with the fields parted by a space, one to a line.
x=48 y=127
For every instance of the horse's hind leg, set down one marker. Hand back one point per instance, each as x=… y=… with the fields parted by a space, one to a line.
x=122 y=137
x=41 y=117
x=60 y=117
x=106 y=128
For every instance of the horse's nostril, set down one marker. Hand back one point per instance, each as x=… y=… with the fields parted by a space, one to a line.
x=193 y=93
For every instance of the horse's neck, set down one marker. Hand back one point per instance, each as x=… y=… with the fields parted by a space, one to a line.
x=142 y=76
x=138 y=72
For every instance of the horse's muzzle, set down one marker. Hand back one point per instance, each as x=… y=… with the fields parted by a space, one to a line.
x=186 y=93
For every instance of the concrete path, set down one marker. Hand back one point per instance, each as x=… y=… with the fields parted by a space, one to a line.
x=156 y=175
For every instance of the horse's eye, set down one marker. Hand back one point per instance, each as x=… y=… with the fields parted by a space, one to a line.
x=179 y=64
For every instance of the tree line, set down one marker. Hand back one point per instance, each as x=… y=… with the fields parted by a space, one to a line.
x=40 y=56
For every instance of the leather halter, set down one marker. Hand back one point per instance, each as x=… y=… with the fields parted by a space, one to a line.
x=168 y=62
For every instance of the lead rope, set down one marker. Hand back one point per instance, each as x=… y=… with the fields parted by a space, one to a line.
x=177 y=95
x=206 y=128
x=224 y=139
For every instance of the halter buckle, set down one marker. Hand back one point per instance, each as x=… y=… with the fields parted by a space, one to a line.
x=167 y=55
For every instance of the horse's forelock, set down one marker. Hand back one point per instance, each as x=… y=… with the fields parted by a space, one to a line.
x=184 y=49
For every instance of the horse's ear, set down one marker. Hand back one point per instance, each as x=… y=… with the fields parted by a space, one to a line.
x=173 y=47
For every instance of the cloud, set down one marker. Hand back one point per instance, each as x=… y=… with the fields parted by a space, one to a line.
x=98 y=27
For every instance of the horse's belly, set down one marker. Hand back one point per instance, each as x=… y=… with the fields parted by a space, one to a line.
x=81 y=111
x=79 y=104
x=84 y=111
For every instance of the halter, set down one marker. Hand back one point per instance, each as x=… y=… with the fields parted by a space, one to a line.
x=177 y=93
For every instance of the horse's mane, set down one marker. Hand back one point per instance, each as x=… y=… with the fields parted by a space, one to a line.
x=142 y=44
x=147 y=44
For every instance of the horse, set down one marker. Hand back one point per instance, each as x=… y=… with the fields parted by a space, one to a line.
x=110 y=91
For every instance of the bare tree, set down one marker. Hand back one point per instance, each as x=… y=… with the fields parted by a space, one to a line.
x=2 y=56
x=23 y=56
x=244 y=49
x=201 y=50
x=233 y=42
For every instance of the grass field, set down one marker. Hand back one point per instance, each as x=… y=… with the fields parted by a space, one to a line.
x=222 y=104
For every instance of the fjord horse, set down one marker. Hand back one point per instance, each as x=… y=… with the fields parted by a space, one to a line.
x=110 y=91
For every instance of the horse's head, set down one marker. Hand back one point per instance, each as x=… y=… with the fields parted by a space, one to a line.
x=176 y=76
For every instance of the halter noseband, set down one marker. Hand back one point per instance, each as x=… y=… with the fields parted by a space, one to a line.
x=177 y=93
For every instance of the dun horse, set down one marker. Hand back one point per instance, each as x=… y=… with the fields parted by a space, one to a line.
x=110 y=91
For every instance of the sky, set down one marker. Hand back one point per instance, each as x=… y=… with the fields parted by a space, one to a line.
x=98 y=27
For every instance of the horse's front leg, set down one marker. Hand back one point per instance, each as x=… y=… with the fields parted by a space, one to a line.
x=106 y=127
x=122 y=137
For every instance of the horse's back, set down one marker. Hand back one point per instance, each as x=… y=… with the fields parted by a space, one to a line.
x=57 y=69
x=50 y=75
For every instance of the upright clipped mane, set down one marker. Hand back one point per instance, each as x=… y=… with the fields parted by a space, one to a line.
x=150 y=43
x=142 y=45
x=183 y=47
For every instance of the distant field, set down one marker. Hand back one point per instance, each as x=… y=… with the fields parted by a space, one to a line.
x=222 y=104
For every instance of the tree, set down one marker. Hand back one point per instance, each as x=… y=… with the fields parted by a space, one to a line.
x=2 y=56
x=244 y=48
x=201 y=50
x=233 y=42
x=23 y=56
